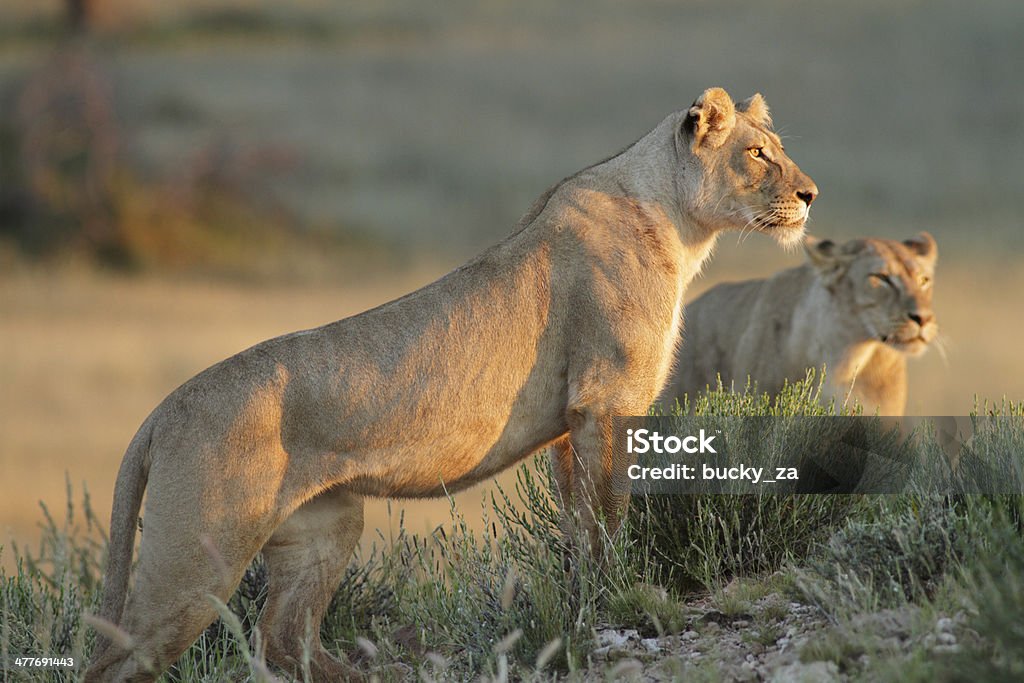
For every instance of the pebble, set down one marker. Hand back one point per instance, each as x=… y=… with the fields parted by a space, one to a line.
x=612 y=638
x=813 y=672
x=651 y=645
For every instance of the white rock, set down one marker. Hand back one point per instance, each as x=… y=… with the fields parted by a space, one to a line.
x=798 y=672
x=651 y=644
x=613 y=638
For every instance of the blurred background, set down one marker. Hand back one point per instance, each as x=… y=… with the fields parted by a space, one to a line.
x=181 y=180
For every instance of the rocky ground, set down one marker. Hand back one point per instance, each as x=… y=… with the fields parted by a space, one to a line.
x=774 y=640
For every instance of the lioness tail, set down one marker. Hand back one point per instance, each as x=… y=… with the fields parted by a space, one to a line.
x=131 y=484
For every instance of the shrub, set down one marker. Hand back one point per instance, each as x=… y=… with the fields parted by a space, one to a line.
x=996 y=587
x=705 y=540
x=901 y=555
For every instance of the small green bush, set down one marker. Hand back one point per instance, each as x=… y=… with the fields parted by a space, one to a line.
x=994 y=584
x=705 y=540
x=901 y=555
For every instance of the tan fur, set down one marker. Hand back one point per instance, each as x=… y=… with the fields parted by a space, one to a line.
x=837 y=310
x=540 y=340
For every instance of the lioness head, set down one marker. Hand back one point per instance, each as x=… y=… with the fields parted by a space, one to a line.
x=882 y=286
x=746 y=181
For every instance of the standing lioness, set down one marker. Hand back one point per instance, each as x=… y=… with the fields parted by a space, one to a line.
x=858 y=309
x=539 y=341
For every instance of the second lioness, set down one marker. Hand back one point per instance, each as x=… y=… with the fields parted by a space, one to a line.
x=859 y=309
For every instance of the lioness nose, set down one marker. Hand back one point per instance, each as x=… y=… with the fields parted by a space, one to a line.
x=807 y=194
x=920 y=318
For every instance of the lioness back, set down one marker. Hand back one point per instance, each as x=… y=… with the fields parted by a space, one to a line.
x=858 y=310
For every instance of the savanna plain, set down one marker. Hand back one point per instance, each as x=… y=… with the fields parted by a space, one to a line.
x=414 y=136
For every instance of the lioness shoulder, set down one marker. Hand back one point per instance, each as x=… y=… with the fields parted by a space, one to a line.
x=859 y=309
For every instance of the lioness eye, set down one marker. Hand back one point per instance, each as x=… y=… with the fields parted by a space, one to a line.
x=756 y=152
x=925 y=280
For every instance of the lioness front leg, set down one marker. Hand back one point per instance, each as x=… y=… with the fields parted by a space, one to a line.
x=599 y=489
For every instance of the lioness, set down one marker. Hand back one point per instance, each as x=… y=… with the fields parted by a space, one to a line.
x=542 y=339
x=858 y=309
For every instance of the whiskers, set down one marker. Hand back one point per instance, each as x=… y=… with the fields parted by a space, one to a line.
x=942 y=342
x=760 y=220
x=783 y=135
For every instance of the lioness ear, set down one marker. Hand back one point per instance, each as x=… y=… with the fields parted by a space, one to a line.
x=923 y=244
x=710 y=120
x=756 y=108
x=822 y=254
x=820 y=251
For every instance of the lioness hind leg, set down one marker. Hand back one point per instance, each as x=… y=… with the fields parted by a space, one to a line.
x=306 y=557
x=169 y=605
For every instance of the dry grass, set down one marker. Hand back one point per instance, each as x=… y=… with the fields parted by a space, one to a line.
x=86 y=357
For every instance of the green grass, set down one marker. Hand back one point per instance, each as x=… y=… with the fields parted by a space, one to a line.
x=518 y=603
